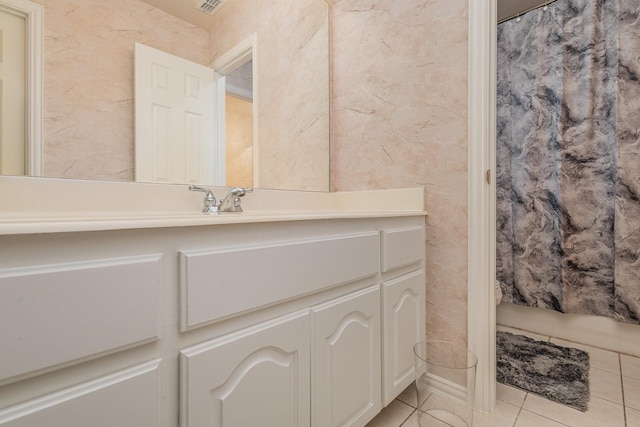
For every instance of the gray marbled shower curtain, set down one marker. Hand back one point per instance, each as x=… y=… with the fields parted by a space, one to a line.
x=568 y=155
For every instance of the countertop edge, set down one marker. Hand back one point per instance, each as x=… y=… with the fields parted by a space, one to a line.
x=69 y=225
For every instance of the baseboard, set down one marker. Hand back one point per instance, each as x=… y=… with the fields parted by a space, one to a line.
x=595 y=331
x=444 y=387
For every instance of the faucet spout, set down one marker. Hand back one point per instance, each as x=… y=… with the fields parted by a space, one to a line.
x=231 y=202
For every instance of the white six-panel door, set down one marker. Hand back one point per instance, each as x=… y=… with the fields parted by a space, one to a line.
x=175 y=135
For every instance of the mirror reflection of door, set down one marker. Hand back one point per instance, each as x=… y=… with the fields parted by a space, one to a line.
x=193 y=125
x=176 y=137
x=239 y=125
x=13 y=91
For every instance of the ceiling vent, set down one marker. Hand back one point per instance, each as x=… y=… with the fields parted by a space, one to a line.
x=209 y=6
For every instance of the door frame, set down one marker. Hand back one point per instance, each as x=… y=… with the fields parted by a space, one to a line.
x=481 y=306
x=244 y=51
x=33 y=14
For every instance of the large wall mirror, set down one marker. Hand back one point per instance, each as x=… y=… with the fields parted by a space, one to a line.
x=88 y=84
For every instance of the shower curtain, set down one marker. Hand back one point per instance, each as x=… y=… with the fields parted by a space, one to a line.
x=568 y=156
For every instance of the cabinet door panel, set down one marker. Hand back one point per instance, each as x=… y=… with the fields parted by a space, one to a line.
x=404 y=325
x=257 y=376
x=346 y=388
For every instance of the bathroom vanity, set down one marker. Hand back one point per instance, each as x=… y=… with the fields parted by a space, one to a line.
x=301 y=313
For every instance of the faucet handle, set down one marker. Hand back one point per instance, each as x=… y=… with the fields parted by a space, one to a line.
x=210 y=203
x=239 y=191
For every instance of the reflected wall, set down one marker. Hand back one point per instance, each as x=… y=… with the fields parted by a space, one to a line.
x=292 y=97
x=239 y=118
x=88 y=81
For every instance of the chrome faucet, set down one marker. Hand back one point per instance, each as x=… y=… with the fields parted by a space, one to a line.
x=230 y=203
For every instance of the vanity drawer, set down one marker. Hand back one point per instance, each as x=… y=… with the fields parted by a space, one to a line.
x=58 y=313
x=126 y=398
x=221 y=283
x=401 y=247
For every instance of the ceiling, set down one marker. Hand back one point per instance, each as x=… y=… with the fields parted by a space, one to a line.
x=511 y=8
x=187 y=11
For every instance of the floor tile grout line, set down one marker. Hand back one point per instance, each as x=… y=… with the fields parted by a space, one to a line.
x=536 y=413
x=520 y=409
x=517 y=416
x=608 y=372
x=405 y=403
x=545 y=417
x=605 y=399
x=624 y=403
x=413 y=409
x=408 y=418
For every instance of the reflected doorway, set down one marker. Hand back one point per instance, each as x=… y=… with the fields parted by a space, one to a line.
x=237 y=75
x=239 y=125
x=13 y=92
x=20 y=88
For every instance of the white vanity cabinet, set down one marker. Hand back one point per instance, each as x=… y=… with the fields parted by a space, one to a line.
x=273 y=374
x=279 y=323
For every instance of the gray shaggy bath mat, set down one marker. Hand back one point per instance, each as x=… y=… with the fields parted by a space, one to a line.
x=558 y=373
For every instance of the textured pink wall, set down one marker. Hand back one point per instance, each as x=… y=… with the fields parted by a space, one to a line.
x=399 y=119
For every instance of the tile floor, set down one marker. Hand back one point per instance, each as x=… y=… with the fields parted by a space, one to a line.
x=614 y=381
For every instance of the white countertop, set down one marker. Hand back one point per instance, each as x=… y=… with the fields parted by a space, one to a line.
x=42 y=205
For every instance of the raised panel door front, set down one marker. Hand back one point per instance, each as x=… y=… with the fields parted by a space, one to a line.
x=403 y=303
x=259 y=376
x=346 y=364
